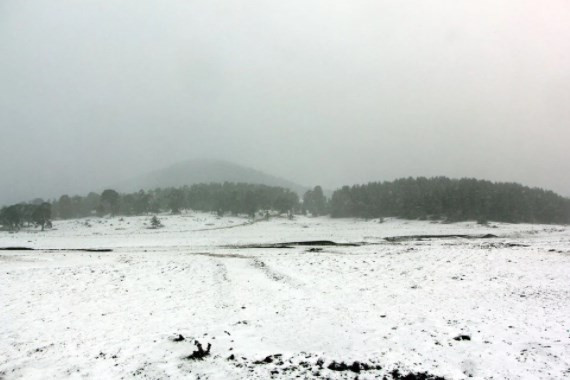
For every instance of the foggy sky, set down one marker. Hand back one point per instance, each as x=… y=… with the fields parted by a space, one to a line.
x=326 y=92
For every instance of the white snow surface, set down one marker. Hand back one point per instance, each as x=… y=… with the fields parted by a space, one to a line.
x=109 y=315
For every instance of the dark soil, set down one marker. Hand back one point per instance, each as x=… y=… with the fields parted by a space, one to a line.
x=305 y=366
x=422 y=237
x=292 y=244
x=56 y=249
x=396 y=375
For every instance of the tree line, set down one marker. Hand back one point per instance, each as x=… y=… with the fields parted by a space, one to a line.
x=437 y=198
x=451 y=199
x=19 y=215
x=234 y=198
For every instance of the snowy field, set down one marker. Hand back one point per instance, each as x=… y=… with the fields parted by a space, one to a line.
x=494 y=308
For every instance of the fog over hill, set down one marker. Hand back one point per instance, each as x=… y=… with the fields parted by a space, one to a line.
x=203 y=171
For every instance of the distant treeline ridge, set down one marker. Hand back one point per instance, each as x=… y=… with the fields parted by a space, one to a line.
x=438 y=198
x=451 y=199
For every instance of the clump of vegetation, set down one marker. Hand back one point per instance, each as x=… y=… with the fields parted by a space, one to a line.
x=200 y=353
x=15 y=217
x=175 y=201
x=223 y=198
x=315 y=202
x=227 y=197
x=451 y=200
x=155 y=223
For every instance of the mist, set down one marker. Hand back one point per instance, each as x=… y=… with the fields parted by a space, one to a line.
x=318 y=92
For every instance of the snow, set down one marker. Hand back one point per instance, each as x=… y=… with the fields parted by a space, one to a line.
x=107 y=315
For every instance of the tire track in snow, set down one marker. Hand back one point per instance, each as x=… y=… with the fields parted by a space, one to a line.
x=273 y=274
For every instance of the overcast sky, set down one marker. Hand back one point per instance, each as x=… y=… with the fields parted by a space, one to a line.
x=320 y=92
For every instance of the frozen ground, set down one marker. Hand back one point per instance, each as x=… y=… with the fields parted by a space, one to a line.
x=284 y=313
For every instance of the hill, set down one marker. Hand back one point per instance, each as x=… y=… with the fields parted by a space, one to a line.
x=204 y=171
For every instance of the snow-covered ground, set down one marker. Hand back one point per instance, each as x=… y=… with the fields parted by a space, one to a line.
x=287 y=312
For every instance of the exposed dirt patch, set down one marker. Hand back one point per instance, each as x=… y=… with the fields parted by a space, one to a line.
x=56 y=249
x=292 y=244
x=431 y=237
x=311 y=366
